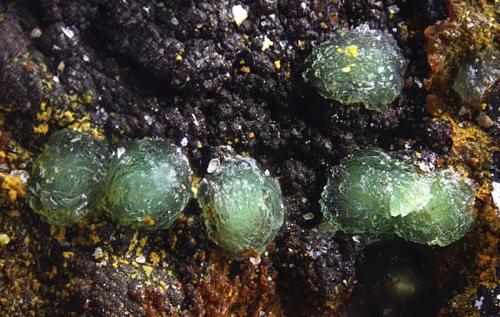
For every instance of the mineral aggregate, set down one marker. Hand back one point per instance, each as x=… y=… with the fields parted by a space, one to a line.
x=362 y=65
x=319 y=269
x=242 y=207
x=445 y=217
x=375 y=195
x=117 y=52
x=478 y=74
x=147 y=184
x=66 y=176
x=356 y=197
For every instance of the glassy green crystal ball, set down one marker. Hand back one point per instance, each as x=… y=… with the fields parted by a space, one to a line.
x=242 y=207
x=356 y=197
x=475 y=77
x=357 y=66
x=65 y=177
x=147 y=185
x=446 y=215
x=375 y=195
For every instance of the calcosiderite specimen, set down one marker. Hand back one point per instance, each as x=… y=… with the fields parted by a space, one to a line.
x=357 y=66
x=147 y=185
x=66 y=175
x=375 y=195
x=477 y=75
x=242 y=207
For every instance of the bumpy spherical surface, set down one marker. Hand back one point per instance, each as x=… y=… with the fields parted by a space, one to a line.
x=375 y=195
x=446 y=215
x=242 y=207
x=357 y=66
x=356 y=198
x=65 y=177
x=147 y=185
x=476 y=76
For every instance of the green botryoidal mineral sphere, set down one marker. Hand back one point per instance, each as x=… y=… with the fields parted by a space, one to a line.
x=65 y=177
x=147 y=185
x=376 y=196
x=476 y=76
x=447 y=215
x=356 y=197
x=242 y=207
x=357 y=66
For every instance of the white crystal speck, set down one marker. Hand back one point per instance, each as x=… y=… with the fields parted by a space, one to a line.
x=239 y=14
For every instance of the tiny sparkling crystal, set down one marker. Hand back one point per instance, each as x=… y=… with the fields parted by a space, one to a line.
x=147 y=185
x=65 y=177
x=242 y=207
x=375 y=195
x=357 y=66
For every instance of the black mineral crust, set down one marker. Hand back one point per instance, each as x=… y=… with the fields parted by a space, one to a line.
x=185 y=71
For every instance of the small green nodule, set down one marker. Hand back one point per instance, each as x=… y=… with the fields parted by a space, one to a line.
x=357 y=66
x=475 y=76
x=147 y=185
x=242 y=207
x=65 y=177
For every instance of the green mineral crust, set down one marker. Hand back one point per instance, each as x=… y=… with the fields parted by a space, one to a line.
x=65 y=177
x=147 y=185
x=242 y=207
x=378 y=196
x=357 y=66
x=476 y=76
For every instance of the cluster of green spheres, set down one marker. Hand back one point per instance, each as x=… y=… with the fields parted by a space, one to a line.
x=475 y=76
x=147 y=184
x=357 y=66
x=242 y=206
x=375 y=195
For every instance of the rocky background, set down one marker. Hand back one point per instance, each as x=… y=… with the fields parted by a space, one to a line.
x=194 y=73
